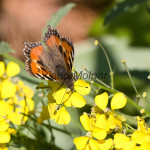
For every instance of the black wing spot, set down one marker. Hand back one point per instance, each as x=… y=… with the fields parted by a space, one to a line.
x=40 y=63
x=60 y=48
x=65 y=55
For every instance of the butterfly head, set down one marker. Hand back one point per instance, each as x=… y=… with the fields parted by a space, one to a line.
x=69 y=83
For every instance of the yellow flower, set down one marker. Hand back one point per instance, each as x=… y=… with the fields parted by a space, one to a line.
x=16 y=118
x=52 y=108
x=85 y=143
x=62 y=96
x=71 y=98
x=27 y=105
x=3 y=147
x=102 y=100
x=82 y=87
x=120 y=139
x=8 y=89
x=95 y=42
x=5 y=108
x=81 y=142
x=139 y=137
x=105 y=144
x=118 y=101
x=4 y=137
x=2 y=68
x=3 y=125
x=12 y=69
x=141 y=125
x=24 y=90
x=62 y=116
x=105 y=118
x=93 y=132
x=145 y=146
x=24 y=107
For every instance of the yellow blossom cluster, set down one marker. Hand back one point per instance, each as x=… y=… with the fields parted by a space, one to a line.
x=15 y=102
x=61 y=97
x=101 y=122
x=138 y=140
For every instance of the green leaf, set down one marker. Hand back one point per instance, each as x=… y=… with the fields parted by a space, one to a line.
x=56 y=18
x=122 y=7
x=11 y=58
x=5 y=48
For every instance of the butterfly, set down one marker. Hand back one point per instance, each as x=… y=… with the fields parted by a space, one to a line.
x=53 y=62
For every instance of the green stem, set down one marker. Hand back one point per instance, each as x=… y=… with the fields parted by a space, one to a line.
x=47 y=126
x=137 y=94
x=9 y=57
x=50 y=128
x=110 y=68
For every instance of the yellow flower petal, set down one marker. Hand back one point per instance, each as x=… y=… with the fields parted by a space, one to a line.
x=81 y=142
x=102 y=100
x=120 y=139
x=44 y=114
x=12 y=131
x=27 y=105
x=95 y=42
x=82 y=87
x=87 y=147
x=68 y=103
x=114 y=122
x=102 y=122
x=52 y=108
x=141 y=124
x=8 y=89
x=140 y=137
x=61 y=95
x=12 y=101
x=5 y=108
x=2 y=68
x=130 y=145
x=145 y=146
x=3 y=125
x=77 y=100
x=4 y=137
x=85 y=121
x=62 y=116
x=12 y=69
x=99 y=134
x=118 y=101
x=3 y=147
x=93 y=144
x=105 y=144
x=16 y=118
x=27 y=92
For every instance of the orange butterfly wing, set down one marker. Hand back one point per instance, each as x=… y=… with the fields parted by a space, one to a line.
x=68 y=52
x=33 y=64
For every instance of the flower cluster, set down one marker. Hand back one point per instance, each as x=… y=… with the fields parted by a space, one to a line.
x=101 y=122
x=15 y=102
x=139 y=139
x=61 y=97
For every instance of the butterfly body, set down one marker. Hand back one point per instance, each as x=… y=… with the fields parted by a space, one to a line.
x=51 y=63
